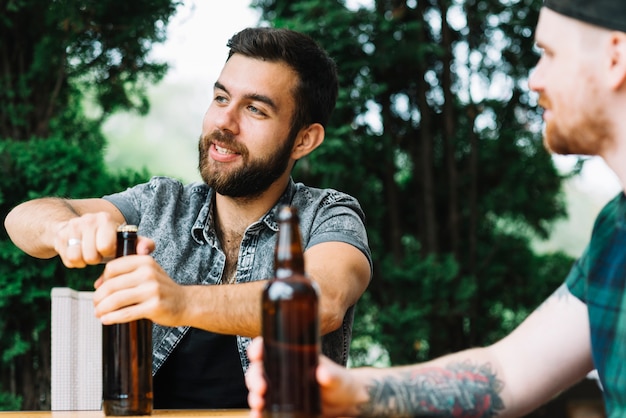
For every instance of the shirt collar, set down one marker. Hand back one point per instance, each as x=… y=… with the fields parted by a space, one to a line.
x=203 y=232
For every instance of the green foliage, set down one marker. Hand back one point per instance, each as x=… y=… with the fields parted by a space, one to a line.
x=97 y=45
x=55 y=56
x=431 y=134
x=8 y=402
x=31 y=169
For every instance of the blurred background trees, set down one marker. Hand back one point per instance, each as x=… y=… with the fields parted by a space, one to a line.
x=432 y=135
x=56 y=56
x=435 y=133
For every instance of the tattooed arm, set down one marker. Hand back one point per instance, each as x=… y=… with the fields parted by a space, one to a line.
x=454 y=389
x=547 y=353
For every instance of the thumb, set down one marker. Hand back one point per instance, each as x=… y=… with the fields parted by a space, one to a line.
x=145 y=245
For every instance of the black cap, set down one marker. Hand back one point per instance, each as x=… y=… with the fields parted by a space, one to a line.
x=609 y=14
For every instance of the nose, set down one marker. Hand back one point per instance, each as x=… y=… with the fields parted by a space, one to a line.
x=220 y=117
x=535 y=79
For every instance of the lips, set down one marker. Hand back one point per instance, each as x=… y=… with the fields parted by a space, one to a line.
x=223 y=154
x=222 y=150
x=545 y=105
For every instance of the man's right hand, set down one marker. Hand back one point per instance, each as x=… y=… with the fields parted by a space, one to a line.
x=86 y=240
x=81 y=232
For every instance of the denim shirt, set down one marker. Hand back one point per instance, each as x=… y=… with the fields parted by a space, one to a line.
x=179 y=219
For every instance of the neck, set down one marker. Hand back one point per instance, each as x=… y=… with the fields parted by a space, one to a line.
x=615 y=159
x=234 y=214
x=615 y=155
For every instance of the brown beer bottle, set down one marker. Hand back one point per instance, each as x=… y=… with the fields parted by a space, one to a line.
x=127 y=354
x=290 y=328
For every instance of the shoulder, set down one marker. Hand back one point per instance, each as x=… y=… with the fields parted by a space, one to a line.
x=614 y=210
x=160 y=183
x=313 y=198
x=162 y=195
x=167 y=187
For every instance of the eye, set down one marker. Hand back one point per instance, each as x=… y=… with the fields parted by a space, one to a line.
x=256 y=110
x=220 y=98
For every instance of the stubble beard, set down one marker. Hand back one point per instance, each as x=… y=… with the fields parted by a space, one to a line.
x=249 y=180
x=588 y=134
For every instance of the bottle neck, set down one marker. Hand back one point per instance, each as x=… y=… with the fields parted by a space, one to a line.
x=126 y=243
x=288 y=255
x=286 y=272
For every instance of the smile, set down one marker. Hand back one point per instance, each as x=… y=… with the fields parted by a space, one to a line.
x=223 y=151
x=222 y=154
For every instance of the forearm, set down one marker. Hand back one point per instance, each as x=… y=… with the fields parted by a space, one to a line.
x=32 y=225
x=464 y=384
x=342 y=273
x=233 y=309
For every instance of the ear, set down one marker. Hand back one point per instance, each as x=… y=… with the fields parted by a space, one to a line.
x=307 y=140
x=617 y=69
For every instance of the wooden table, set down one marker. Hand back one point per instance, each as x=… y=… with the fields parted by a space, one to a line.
x=180 y=413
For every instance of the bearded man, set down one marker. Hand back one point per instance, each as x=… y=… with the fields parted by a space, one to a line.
x=206 y=248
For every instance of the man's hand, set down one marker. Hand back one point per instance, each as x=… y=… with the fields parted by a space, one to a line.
x=136 y=287
x=341 y=389
x=86 y=240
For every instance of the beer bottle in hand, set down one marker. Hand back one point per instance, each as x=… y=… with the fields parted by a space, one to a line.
x=127 y=354
x=290 y=328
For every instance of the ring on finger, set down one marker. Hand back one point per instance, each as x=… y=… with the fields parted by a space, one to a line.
x=73 y=241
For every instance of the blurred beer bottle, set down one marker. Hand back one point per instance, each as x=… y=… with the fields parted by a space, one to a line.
x=290 y=328
x=127 y=353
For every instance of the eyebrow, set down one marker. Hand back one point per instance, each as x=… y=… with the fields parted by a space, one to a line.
x=252 y=96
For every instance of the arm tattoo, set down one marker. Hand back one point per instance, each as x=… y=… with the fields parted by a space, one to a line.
x=460 y=390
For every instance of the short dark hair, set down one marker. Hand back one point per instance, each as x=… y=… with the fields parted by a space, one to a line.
x=316 y=92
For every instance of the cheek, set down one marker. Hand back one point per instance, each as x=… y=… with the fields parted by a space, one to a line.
x=207 y=124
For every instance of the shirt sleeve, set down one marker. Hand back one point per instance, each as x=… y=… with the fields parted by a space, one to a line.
x=598 y=258
x=576 y=279
x=128 y=203
x=336 y=217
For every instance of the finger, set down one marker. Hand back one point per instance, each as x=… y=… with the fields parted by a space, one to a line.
x=255 y=380
x=122 y=315
x=72 y=254
x=255 y=402
x=326 y=368
x=90 y=254
x=67 y=244
x=124 y=265
x=127 y=290
x=122 y=306
x=105 y=240
x=255 y=349
x=76 y=241
x=145 y=245
x=116 y=276
x=256 y=386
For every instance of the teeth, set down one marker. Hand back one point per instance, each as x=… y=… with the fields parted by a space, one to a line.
x=223 y=150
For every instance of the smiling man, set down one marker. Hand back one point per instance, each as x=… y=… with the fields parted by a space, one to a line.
x=581 y=82
x=206 y=248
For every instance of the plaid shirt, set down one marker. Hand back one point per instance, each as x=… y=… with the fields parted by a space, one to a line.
x=599 y=279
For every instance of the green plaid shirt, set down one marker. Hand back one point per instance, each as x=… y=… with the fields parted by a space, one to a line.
x=599 y=279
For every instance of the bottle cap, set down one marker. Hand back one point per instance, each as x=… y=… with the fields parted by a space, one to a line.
x=127 y=228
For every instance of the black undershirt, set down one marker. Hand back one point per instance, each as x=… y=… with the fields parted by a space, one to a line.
x=203 y=372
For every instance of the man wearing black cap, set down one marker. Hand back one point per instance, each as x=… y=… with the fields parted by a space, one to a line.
x=581 y=82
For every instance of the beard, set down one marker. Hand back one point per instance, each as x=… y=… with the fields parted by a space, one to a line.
x=249 y=180
x=588 y=133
